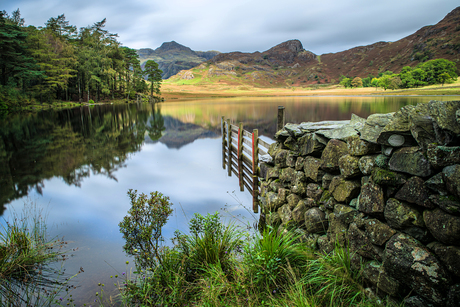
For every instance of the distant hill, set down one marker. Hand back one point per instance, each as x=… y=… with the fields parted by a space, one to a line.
x=173 y=57
x=289 y=64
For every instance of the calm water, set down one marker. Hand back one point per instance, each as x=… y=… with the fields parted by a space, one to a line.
x=77 y=165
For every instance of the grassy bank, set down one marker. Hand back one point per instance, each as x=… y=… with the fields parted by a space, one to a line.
x=27 y=276
x=173 y=91
x=221 y=265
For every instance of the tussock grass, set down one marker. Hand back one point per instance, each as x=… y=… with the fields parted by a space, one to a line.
x=26 y=252
x=218 y=265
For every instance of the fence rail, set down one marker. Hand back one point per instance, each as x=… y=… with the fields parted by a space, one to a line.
x=240 y=156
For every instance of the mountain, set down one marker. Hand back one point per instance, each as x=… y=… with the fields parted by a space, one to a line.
x=173 y=57
x=289 y=64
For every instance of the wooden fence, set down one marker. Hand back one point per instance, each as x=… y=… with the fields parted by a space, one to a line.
x=240 y=155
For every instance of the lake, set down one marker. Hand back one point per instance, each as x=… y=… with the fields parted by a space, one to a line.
x=77 y=166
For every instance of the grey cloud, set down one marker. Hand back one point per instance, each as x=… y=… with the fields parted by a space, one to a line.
x=241 y=25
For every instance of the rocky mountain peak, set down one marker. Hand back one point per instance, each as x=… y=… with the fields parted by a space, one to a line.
x=293 y=45
x=169 y=46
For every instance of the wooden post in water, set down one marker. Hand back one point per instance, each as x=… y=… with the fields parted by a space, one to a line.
x=280 y=118
x=229 y=148
x=222 y=129
x=240 y=156
x=255 y=170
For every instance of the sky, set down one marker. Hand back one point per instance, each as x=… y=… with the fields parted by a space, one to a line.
x=325 y=26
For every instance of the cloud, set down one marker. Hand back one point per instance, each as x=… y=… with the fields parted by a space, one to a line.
x=241 y=25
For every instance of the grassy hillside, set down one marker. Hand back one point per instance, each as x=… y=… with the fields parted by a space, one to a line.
x=290 y=65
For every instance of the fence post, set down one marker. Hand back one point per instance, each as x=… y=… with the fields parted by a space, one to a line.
x=222 y=129
x=280 y=118
x=255 y=170
x=229 y=148
x=240 y=156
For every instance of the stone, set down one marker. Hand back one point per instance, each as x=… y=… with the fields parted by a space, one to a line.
x=300 y=184
x=379 y=233
x=314 y=191
x=413 y=264
x=397 y=132
x=310 y=144
x=285 y=213
x=293 y=130
x=315 y=221
x=283 y=194
x=331 y=154
x=349 y=166
x=299 y=164
x=312 y=169
x=447 y=203
x=273 y=202
x=326 y=180
x=444 y=113
x=441 y=156
x=371 y=201
x=443 y=226
x=287 y=176
x=449 y=256
x=400 y=215
x=374 y=126
x=273 y=219
x=275 y=185
x=266 y=159
x=309 y=202
x=422 y=128
x=358 y=147
x=451 y=176
x=415 y=192
x=421 y=234
x=293 y=200
x=410 y=160
x=374 y=272
x=344 y=190
x=273 y=149
x=387 y=150
x=453 y=297
x=340 y=133
x=365 y=164
x=291 y=160
x=437 y=184
x=280 y=158
x=324 y=245
x=345 y=214
x=387 y=178
x=298 y=213
x=362 y=245
x=382 y=161
x=337 y=231
x=272 y=173
x=291 y=144
x=416 y=301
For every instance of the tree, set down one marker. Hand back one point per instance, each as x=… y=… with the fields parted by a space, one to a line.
x=346 y=82
x=435 y=68
x=153 y=74
x=375 y=82
x=357 y=82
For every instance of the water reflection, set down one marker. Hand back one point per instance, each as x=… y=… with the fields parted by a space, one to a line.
x=78 y=164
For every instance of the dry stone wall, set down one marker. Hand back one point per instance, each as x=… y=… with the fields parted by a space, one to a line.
x=388 y=186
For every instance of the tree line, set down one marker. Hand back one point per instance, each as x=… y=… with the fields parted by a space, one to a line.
x=59 y=62
x=438 y=71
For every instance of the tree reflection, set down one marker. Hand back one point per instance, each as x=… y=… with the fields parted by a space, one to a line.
x=71 y=144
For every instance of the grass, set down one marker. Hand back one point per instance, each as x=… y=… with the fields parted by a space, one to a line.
x=218 y=265
x=27 y=277
x=224 y=87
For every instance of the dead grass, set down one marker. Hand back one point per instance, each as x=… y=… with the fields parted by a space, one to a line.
x=221 y=90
